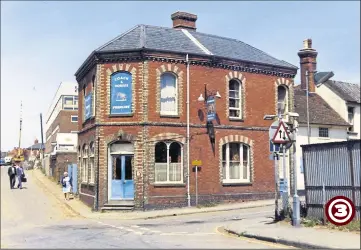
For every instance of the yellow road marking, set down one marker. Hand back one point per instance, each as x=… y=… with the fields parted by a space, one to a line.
x=274 y=245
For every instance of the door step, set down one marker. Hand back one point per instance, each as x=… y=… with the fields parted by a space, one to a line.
x=123 y=205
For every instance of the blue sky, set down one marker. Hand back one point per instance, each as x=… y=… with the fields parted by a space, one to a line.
x=44 y=43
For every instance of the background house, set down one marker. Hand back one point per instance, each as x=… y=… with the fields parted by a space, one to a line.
x=61 y=127
x=345 y=99
x=328 y=123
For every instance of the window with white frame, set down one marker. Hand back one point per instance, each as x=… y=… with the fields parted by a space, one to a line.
x=282 y=100
x=323 y=132
x=91 y=163
x=74 y=118
x=168 y=94
x=235 y=99
x=85 y=164
x=168 y=162
x=236 y=167
x=70 y=102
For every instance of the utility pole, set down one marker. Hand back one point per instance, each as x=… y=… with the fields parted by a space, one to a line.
x=42 y=136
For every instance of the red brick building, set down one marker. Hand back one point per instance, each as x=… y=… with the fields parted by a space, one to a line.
x=133 y=118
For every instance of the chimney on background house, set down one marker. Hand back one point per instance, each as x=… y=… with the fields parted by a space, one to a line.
x=308 y=63
x=36 y=141
x=184 y=20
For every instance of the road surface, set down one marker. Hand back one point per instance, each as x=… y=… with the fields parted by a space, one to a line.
x=33 y=218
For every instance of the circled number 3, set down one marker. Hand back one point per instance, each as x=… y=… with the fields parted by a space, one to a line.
x=341 y=210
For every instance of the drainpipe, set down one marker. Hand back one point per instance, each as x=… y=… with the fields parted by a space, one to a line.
x=188 y=160
x=97 y=195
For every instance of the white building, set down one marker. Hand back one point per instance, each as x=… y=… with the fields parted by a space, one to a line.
x=61 y=121
x=344 y=98
x=327 y=111
x=326 y=125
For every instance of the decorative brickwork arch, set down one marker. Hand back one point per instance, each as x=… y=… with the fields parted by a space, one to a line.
x=242 y=79
x=179 y=76
x=119 y=136
x=126 y=68
x=289 y=86
x=239 y=139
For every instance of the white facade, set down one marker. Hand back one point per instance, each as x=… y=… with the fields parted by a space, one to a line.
x=66 y=98
x=335 y=133
x=64 y=89
x=341 y=107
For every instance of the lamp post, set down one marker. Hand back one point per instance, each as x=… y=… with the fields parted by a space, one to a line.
x=319 y=78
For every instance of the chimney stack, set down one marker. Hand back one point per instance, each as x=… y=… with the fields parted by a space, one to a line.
x=184 y=20
x=308 y=63
x=36 y=141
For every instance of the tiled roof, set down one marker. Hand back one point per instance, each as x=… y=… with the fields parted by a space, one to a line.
x=347 y=91
x=319 y=111
x=175 y=40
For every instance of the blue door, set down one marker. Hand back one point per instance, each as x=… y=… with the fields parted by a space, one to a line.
x=122 y=186
x=73 y=173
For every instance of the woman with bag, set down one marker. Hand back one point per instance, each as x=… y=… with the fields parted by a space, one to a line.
x=66 y=183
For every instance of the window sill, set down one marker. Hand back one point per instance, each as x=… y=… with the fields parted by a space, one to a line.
x=169 y=184
x=91 y=184
x=226 y=183
x=236 y=119
x=352 y=133
x=169 y=116
x=121 y=115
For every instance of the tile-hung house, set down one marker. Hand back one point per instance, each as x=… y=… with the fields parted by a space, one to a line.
x=326 y=124
x=141 y=126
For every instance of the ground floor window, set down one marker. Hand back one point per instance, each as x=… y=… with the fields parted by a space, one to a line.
x=236 y=163
x=168 y=162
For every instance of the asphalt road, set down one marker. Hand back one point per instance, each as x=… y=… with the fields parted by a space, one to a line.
x=33 y=218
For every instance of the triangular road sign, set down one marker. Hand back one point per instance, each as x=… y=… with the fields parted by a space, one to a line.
x=281 y=136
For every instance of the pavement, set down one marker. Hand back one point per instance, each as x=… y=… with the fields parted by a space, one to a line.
x=82 y=210
x=35 y=218
x=301 y=237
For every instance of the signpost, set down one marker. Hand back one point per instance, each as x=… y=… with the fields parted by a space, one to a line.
x=279 y=135
x=196 y=164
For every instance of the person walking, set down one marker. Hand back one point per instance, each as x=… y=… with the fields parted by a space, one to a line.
x=66 y=182
x=12 y=175
x=20 y=174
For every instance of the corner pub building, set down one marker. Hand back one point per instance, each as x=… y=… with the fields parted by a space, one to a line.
x=135 y=123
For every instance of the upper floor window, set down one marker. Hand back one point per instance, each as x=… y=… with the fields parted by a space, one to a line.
x=236 y=165
x=235 y=99
x=74 y=118
x=323 y=132
x=350 y=116
x=168 y=162
x=282 y=100
x=168 y=94
x=70 y=102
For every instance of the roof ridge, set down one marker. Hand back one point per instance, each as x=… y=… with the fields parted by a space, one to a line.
x=116 y=38
x=350 y=83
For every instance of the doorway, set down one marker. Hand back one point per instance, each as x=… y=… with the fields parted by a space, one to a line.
x=122 y=183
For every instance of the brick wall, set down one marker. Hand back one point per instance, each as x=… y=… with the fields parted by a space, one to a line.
x=63 y=120
x=259 y=98
x=60 y=164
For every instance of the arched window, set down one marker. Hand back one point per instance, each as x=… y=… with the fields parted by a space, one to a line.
x=91 y=163
x=168 y=94
x=85 y=164
x=282 y=100
x=168 y=162
x=235 y=99
x=236 y=165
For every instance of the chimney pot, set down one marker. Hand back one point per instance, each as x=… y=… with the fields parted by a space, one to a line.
x=307 y=44
x=184 y=20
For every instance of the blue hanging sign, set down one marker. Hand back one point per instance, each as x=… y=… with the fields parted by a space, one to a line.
x=88 y=106
x=121 y=94
x=211 y=108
